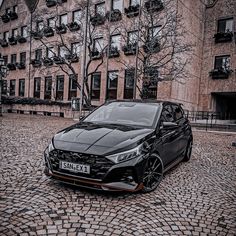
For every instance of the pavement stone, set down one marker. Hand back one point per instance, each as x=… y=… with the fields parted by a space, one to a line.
x=194 y=198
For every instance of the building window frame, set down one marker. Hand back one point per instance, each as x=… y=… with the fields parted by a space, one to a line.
x=21 y=87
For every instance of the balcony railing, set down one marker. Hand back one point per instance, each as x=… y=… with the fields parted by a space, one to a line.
x=151 y=46
x=61 y=29
x=223 y=37
x=21 y=39
x=73 y=26
x=114 y=15
x=97 y=19
x=130 y=49
x=47 y=61
x=20 y=65
x=114 y=52
x=13 y=15
x=72 y=58
x=36 y=63
x=37 y=34
x=5 y=18
x=48 y=32
x=12 y=40
x=11 y=66
x=58 y=60
x=154 y=5
x=95 y=55
x=132 y=11
x=3 y=43
x=220 y=73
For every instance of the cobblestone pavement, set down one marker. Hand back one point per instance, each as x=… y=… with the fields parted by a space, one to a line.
x=195 y=198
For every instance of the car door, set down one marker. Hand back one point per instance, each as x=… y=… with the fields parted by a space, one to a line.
x=168 y=138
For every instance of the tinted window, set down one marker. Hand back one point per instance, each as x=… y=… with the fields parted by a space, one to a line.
x=167 y=114
x=125 y=113
x=178 y=112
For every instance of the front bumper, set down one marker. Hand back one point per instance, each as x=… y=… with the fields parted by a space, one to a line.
x=126 y=176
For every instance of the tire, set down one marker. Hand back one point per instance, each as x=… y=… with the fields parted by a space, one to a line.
x=153 y=173
x=188 y=151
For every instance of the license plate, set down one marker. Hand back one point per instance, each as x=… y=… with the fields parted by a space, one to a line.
x=77 y=168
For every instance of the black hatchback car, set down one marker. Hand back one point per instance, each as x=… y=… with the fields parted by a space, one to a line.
x=122 y=145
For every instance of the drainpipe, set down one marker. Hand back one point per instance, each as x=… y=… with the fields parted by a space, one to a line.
x=31 y=20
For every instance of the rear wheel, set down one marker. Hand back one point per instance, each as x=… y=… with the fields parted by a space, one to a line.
x=188 y=151
x=153 y=173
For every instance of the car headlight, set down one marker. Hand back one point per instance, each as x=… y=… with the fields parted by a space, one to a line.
x=48 y=149
x=127 y=155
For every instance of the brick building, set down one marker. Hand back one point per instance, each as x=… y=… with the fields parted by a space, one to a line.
x=209 y=26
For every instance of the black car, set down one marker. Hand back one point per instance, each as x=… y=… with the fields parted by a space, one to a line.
x=122 y=145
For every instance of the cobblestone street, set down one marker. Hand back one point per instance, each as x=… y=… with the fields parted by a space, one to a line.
x=195 y=198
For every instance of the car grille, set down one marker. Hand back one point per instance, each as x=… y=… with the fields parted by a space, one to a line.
x=99 y=165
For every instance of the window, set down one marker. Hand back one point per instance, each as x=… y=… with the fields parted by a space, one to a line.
x=37 y=85
x=100 y=9
x=15 y=9
x=75 y=48
x=154 y=32
x=6 y=35
x=112 y=84
x=133 y=37
x=167 y=114
x=48 y=87
x=222 y=62
x=14 y=33
x=178 y=112
x=98 y=44
x=225 y=25
x=24 y=32
x=134 y=2
x=129 y=83
x=39 y=25
x=96 y=86
x=5 y=58
x=38 y=54
x=72 y=86
x=13 y=58
x=50 y=52
x=117 y=4
x=12 y=87
x=115 y=41
x=77 y=16
x=63 y=19
x=23 y=57
x=22 y=87
x=60 y=87
x=62 y=51
x=51 y=22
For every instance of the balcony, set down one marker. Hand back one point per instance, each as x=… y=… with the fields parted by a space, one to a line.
x=223 y=37
x=51 y=3
x=114 y=15
x=130 y=49
x=95 y=55
x=13 y=15
x=37 y=35
x=61 y=29
x=11 y=66
x=220 y=73
x=5 y=18
x=97 y=19
x=3 y=43
x=36 y=63
x=132 y=11
x=48 y=32
x=72 y=58
x=12 y=40
x=20 y=65
x=151 y=46
x=154 y=5
x=73 y=26
x=21 y=39
x=114 y=52
x=58 y=60
x=47 y=61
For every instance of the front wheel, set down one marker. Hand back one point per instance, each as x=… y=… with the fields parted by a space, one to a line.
x=153 y=173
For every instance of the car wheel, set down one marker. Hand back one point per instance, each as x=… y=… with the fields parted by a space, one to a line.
x=188 y=151
x=153 y=173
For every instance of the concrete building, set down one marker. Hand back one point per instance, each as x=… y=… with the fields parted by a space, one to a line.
x=34 y=64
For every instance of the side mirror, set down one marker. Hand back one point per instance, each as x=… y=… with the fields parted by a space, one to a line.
x=169 y=125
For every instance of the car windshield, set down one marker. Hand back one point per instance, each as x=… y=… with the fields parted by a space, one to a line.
x=125 y=113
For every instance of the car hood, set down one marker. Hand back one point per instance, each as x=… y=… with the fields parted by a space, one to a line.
x=99 y=139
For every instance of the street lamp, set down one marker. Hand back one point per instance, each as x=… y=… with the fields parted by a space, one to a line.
x=3 y=74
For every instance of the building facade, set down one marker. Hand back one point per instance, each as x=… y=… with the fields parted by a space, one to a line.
x=33 y=49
